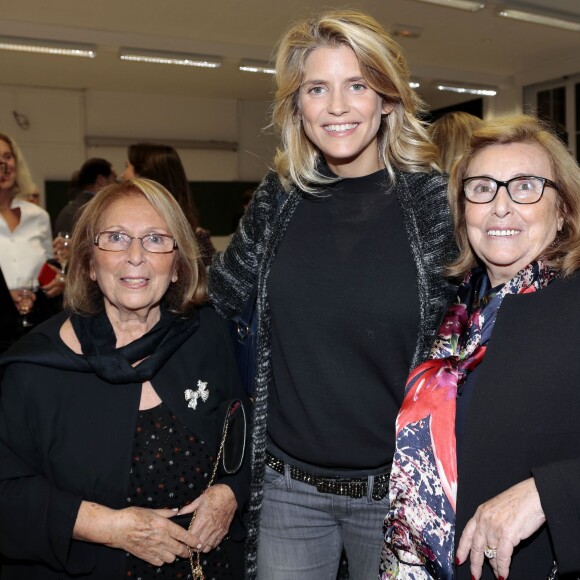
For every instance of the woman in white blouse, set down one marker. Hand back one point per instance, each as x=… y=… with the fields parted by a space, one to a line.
x=25 y=234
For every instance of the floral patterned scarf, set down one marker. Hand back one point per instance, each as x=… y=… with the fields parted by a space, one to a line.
x=420 y=525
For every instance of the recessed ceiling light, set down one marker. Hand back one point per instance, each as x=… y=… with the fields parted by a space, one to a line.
x=257 y=66
x=471 y=5
x=465 y=88
x=163 y=57
x=53 y=47
x=558 y=21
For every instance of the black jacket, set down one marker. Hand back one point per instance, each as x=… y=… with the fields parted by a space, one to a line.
x=524 y=421
x=9 y=327
x=66 y=436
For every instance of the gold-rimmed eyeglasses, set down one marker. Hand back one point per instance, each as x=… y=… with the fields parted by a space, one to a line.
x=119 y=242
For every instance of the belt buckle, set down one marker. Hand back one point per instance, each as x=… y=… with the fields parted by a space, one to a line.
x=325 y=484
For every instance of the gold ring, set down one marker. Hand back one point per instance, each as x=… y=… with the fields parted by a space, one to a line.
x=490 y=552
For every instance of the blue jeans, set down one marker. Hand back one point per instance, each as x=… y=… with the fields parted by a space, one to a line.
x=302 y=531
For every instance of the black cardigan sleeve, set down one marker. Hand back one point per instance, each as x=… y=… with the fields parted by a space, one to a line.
x=234 y=272
x=36 y=518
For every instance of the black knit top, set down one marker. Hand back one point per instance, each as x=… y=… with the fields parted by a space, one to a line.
x=345 y=317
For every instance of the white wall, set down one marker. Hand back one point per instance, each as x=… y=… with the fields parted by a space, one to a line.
x=508 y=101
x=60 y=120
x=53 y=145
x=257 y=142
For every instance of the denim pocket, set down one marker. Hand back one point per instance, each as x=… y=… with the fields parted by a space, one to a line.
x=273 y=479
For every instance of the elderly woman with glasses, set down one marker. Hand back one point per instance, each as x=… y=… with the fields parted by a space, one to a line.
x=113 y=413
x=488 y=439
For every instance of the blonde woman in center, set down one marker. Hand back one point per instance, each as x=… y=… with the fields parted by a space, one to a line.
x=345 y=240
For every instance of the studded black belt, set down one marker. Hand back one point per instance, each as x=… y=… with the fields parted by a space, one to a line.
x=355 y=487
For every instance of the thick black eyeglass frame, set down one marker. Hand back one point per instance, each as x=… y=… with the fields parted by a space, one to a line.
x=545 y=181
x=135 y=238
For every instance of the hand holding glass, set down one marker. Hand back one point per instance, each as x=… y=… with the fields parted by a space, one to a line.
x=62 y=248
x=26 y=299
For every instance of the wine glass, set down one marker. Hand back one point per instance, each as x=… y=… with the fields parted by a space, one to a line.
x=26 y=299
x=63 y=250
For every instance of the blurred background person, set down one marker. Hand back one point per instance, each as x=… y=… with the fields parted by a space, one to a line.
x=345 y=242
x=163 y=164
x=451 y=133
x=94 y=174
x=488 y=452
x=112 y=412
x=9 y=328
x=25 y=234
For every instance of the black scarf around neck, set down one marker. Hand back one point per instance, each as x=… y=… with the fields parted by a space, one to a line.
x=153 y=349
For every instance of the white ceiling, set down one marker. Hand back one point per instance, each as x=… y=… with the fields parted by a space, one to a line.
x=455 y=45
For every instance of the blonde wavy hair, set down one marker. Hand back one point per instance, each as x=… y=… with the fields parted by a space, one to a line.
x=83 y=296
x=451 y=134
x=564 y=253
x=403 y=141
x=23 y=182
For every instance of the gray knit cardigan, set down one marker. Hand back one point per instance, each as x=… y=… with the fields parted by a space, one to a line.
x=252 y=250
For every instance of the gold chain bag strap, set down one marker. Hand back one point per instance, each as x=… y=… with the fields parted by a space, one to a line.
x=196 y=569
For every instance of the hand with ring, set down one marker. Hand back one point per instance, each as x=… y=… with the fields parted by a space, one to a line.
x=498 y=526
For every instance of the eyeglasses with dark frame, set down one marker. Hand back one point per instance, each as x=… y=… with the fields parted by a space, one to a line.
x=523 y=189
x=110 y=241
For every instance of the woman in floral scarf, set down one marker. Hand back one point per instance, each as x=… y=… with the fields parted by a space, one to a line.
x=488 y=447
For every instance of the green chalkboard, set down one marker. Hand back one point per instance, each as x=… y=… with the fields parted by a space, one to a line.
x=220 y=203
x=56 y=197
